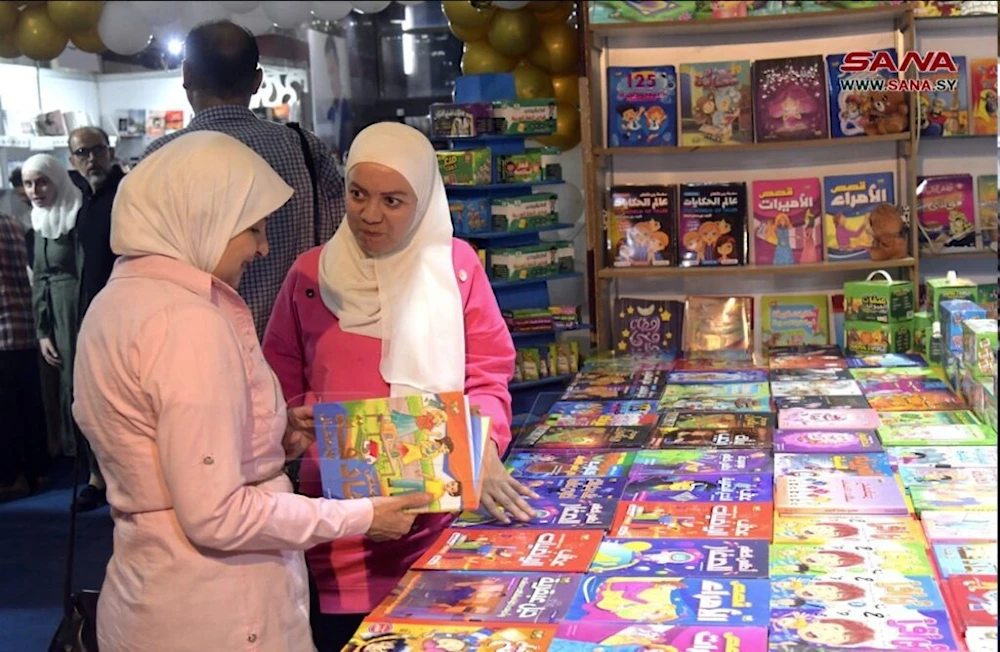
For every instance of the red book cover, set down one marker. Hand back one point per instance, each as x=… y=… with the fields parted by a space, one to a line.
x=973 y=599
x=642 y=520
x=512 y=550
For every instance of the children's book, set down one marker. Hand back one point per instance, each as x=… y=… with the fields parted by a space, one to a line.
x=618 y=637
x=802 y=419
x=530 y=464
x=914 y=385
x=839 y=494
x=395 y=446
x=857 y=111
x=664 y=438
x=787 y=223
x=585 y=438
x=816 y=388
x=945 y=112
x=642 y=106
x=986 y=217
x=749 y=390
x=886 y=360
x=512 y=550
x=480 y=596
x=974 y=598
x=700 y=489
x=377 y=634
x=899 y=373
x=929 y=476
x=809 y=375
x=982 y=639
x=872 y=629
x=844 y=590
x=715 y=404
x=849 y=202
x=983 y=80
x=673 y=463
x=954 y=526
x=716 y=104
x=728 y=521
x=805 y=350
x=790 y=99
x=782 y=403
x=597 y=373
x=928 y=400
x=550 y=513
x=943 y=435
x=717 y=377
x=644 y=385
x=966 y=558
x=826 y=441
x=928 y=498
x=808 y=362
x=667 y=557
x=946 y=213
x=903 y=558
x=574 y=489
x=819 y=465
x=712 y=223
x=670 y=600
x=795 y=319
x=602 y=414
x=943 y=457
x=716 y=420
x=835 y=528
x=646 y=327
x=642 y=229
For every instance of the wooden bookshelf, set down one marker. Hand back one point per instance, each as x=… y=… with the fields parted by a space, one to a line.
x=759 y=270
x=818 y=143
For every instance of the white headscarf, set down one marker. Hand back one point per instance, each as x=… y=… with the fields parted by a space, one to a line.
x=58 y=219
x=408 y=298
x=188 y=199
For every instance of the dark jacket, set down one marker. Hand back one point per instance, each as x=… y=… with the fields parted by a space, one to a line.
x=93 y=226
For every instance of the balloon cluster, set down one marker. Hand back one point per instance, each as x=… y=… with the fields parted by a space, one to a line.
x=533 y=40
x=41 y=30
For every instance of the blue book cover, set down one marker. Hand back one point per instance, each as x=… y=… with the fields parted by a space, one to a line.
x=848 y=202
x=678 y=558
x=853 y=107
x=849 y=591
x=670 y=600
x=577 y=488
x=966 y=558
x=743 y=488
x=551 y=513
x=642 y=106
x=602 y=413
x=814 y=465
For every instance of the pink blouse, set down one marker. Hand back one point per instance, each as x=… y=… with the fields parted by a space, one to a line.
x=186 y=419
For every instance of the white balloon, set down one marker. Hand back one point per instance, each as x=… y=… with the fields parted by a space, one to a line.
x=123 y=29
x=239 y=6
x=194 y=13
x=370 y=6
x=287 y=13
x=510 y=5
x=157 y=12
x=166 y=33
x=569 y=201
x=256 y=21
x=331 y=10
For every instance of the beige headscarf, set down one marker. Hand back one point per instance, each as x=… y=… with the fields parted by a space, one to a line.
x=58 y=219
x=408 y=298
x=188 y=199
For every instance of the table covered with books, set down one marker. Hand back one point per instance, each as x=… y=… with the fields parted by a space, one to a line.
x=723 y=503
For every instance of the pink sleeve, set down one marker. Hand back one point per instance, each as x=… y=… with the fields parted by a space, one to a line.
x=489 y=355
x=282 y=344
x=193 y=373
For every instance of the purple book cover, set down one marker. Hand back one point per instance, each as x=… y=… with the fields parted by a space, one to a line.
x=723 y=377
x=665 y=438
x=787 y=221
x=530 y=464
x=887 y=361
x=481 y=597
x=678 y=558
x=803 y=419
x=603 y=414
x=790 y=101
x=647 y=326
x=712 y=224
x=701 y=489
x=821 y=403
x=572 y=489
x=552 y=513
x=826 y=441
x=809 y=375
x=672 y=463
x=619 y=637
x=946 y=212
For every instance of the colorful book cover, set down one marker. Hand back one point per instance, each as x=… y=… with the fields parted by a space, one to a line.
x=914 y=385
x=602 y=414
x=808 y=362
x=724 y=377
x=982 y=639
x=826 y=441
x=667 y=557
x=821 y=388
x=821 y=403
x=700 y=489
x=641 y=231
x=640 y=386
x=712 y=223
x=953 y=526
x=871 y=629
x=480 y=596
x=834 y=528
x=529 y=464
x=928 y=400
x=749 y=390
x=512 y=550
x=795 y=319
x=849 y=201
x=946 y=213
x=586 y=438
x=966 y=558
x=943 y=457
x=986 y=216
x=944 y=435
x=395 y=446
x=664 y=438
x=801 y=419
x=574 y=489
x=715 y=404
x=857 y=111
x=787 y=223
x=914 y=476
x=716 y=104
x=629 y=374
x=975 y=599
x=927 y=498
x=549 y=512
x=983 y=80
x=839 y=494
x=902 y=558
x=742 y=521
x=876 y=373
x=820 y=465
x=945 y=112
x=716 y=420
x=843 y=590
x=671 y=600
x=809 y=375
x=805 y=350
x=646 y=326
x=376 y=634
x=675 y=463
x=790 y=99
x=617 y=637
x=642 y=106
x=886 y=360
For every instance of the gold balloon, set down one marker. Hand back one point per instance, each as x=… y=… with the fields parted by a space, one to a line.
x=88 y=41
x=553 y=12
x=462 y=13
x=532 y=82
x=567 y=134
x=8 y=16
x=512 y=33
x=469 y=34
x=480 y=59
x=8 y=47
x=567 y=89
x=560 y=45
x=539 y=56
x=37 y=37
x=74 y=15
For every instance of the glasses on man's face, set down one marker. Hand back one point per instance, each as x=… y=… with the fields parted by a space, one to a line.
x=87 y=152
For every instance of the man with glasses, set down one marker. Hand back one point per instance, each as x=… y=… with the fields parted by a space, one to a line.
x=97 y=177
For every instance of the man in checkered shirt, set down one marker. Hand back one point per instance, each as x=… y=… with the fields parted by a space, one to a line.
x=221 y=74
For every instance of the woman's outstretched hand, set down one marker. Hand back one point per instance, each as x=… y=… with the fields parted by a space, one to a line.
x=503 y=496
x=300 y=431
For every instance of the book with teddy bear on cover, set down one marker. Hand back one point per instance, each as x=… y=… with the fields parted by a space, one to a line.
x=849 y=201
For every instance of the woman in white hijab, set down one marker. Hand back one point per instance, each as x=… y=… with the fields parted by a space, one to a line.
x=392 y=305
x=57 y=271
x=189 y=424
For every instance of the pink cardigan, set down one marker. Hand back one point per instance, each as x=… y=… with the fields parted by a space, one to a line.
x=310 y=353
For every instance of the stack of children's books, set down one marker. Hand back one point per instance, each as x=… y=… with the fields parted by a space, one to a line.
x=722 y=503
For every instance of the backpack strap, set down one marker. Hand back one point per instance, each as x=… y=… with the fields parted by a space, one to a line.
x=311 y=167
